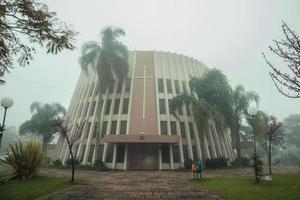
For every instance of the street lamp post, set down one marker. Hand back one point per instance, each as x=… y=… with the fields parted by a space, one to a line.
x=252 y=111
x=6 y=103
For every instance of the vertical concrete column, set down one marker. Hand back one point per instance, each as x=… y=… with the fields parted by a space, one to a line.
x=171 y=156
x=114 y=156
x=214 y=153
x=126 y=157
x=207 y=153
x=217 y=142
x=159 y=158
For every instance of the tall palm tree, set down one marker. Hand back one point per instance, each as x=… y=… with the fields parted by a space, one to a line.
x=43 y=116
x=108 y=59
x=241 y=100
x=211 y=99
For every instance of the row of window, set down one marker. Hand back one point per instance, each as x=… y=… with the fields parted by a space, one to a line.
x=116 y=106
x=162 y=108
x=113 y=129
x=164 y=129
x=169 y=89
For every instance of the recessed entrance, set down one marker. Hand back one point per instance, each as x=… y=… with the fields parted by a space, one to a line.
x=143 y=156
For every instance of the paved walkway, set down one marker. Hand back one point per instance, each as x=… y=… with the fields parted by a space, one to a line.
x=130 y=185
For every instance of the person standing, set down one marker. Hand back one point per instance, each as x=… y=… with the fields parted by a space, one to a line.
x=194 y=166
x=199 y=168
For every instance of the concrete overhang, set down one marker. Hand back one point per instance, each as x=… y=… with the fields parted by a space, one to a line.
x=159 y=139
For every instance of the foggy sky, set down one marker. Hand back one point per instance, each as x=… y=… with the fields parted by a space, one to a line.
x=228 y=35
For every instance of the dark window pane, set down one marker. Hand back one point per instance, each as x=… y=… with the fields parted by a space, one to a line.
x=163 y=128
x=110 y=152
x=185 y=152
x=123 y=127
x=80 y=109
x=173 y=128
x=113 y=129
x=195 y=152
x=108 y=104
x=127 y=86
x=82 y=153
x=125 y=106
x=100 y=151
x=86 y=89
x=176 y=158
x=184 y=87
x=104 y=129
x=191 y=130
x=91 y=153
x=182 y=130
x=119 y=88
x=92 y=109
x=169 y=104
x=169 y=86
x=120 y=152
x=97 y=88
x=116 y=108
x=176 y=84
x=165 y=154
x=188 y=111
x=87 y=129
x=160 y=86
x=86 y=109
x=162 y=106
x=92 y=89
x=179 y=110
x=96 y=130
x=111 y=87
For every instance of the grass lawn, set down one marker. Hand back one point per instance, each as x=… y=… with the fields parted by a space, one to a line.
x=31 y=189
x=283 y=186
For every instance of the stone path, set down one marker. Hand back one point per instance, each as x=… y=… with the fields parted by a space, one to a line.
x=130 y=185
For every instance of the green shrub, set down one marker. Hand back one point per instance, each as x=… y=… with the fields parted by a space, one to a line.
x=56 y=163
x=245 y=162
x=24 y=158
x=99 y=165
x=216 y=163
x=69 y=162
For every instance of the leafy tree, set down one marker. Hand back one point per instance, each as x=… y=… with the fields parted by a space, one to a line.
x=29 y=21
x=241 y=100
x=210 y=99
x=108 y=58
x=64 y=127
x=43 y=115
x=291 y=127
x=288 y=49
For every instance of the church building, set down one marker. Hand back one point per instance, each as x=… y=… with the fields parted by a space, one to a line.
x=138 y=130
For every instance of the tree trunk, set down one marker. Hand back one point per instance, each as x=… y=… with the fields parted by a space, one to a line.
x=72 y=163
x=270 y=156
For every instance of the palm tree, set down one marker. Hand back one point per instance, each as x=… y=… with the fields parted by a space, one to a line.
x=210 y=99
x=241 y=100
x=108 y=58
x=43 y=116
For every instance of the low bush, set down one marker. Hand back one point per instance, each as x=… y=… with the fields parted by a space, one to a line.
x=69 y=162
x=24 y=158
x=216 y=163
x=245 y=162
x=56 y=163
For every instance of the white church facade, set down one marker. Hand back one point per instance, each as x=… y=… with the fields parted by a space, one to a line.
x=137 y=128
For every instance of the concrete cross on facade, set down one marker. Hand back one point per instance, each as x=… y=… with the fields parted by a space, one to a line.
x=144 y=94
